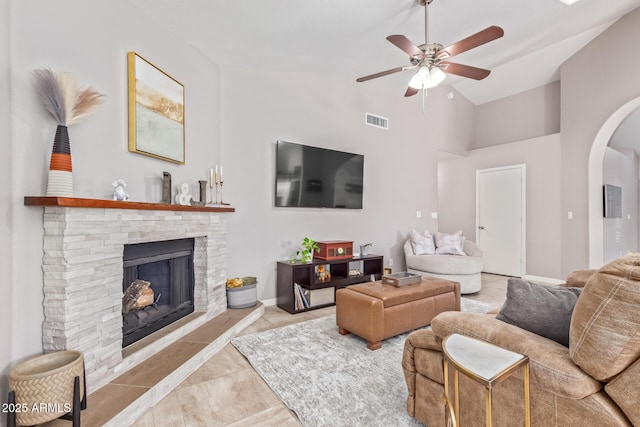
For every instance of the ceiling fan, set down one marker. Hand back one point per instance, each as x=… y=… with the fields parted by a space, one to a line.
x=432 y=59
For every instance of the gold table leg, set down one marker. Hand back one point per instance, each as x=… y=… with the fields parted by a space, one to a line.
x=446 y=378
x=451 y=419
x=527 y=407
x=456 y=392
x=488 y=406
x=447 y=402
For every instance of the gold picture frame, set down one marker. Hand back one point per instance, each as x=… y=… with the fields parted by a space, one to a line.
x=156 y=111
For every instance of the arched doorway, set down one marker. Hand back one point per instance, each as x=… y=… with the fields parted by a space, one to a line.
x=596 y=158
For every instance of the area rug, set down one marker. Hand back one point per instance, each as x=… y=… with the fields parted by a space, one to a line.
x=329 y=379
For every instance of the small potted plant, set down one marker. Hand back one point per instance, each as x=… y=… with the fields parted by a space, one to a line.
x=308 y=247
x=364 y=249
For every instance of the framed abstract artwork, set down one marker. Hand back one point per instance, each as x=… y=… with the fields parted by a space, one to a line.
x=156 y=111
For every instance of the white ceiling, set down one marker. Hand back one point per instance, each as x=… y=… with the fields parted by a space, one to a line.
x=347 y=37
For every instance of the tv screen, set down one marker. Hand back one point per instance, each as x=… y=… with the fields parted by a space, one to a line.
x=612 y=201
x=314 y=177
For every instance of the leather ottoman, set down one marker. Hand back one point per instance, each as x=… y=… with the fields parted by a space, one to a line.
x=376 y=311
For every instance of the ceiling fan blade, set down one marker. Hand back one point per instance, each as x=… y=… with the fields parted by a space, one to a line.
x=411 y=91
x=464 y=70
x=475 y=40
x=406 y=45
x=382 y=74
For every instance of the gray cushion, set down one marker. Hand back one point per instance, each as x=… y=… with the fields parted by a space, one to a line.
x=542 y=309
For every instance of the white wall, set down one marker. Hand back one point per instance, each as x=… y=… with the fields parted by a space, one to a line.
x=457 y=196
x=400 y=163
x=6 y=236
x=526 y=115
x=587 y=101
x=621 y=234
x=90 y=40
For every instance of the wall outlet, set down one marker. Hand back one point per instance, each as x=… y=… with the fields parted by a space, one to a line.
x=418 y=214
x=434 y=215
x=569 y=215
x=390 y=262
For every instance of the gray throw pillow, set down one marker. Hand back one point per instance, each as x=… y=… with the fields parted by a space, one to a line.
x=542 y=309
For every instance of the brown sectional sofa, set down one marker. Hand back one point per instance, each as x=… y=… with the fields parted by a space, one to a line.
x=594 y=382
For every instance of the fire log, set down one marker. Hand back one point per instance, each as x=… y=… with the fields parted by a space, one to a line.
x=137 y=295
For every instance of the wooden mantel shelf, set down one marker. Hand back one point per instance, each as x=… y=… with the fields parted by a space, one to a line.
x=77 y=202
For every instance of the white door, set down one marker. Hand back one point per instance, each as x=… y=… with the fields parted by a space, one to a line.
x=500 y=219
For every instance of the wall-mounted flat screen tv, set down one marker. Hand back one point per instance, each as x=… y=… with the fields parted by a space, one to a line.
x=313 y=177
x=612 y=201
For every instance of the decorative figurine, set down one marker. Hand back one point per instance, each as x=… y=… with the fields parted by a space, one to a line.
x=166 y=188
x=184 y=198
x=323 y=275
x=203 y=195
x=119 y=193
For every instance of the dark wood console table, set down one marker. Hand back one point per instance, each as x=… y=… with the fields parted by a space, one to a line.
x=320 y=293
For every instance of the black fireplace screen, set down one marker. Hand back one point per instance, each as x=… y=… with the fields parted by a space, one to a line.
x=157 y=285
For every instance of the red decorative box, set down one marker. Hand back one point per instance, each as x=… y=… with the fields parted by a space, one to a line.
x=334 y=249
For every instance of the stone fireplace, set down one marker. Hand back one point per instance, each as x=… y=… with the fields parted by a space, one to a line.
x=84 y=272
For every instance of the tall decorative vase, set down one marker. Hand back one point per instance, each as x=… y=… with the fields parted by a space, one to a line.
x=60 y=171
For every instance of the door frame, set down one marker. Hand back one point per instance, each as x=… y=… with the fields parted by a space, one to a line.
x=523 y=222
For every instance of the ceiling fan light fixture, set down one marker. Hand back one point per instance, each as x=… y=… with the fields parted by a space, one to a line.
x=427 y=78
x=421 y=79
x=437 y=75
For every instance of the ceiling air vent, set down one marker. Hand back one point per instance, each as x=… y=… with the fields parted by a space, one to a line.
x=377 y=121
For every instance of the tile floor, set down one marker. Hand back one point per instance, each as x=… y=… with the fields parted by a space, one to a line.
x=226 y=391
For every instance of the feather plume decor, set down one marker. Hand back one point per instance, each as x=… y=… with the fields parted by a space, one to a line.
x=67 y=103
x=63 y=98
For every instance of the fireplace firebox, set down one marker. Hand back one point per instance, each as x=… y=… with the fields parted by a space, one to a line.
x=158 y=285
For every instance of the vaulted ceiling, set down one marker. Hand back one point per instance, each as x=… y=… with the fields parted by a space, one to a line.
x=347 y=37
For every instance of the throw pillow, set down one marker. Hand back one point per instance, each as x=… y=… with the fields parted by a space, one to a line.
x=542 y=309
x=450 y=244
x=422 y=244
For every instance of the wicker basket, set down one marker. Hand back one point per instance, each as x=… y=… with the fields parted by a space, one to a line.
x=243 y=296
x=46 y=380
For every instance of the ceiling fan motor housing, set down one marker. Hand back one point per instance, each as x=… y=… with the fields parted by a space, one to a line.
x=430 y=49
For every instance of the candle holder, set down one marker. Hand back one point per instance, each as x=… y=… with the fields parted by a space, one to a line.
x=211 y=189
x=221 y=202
x=217 y=182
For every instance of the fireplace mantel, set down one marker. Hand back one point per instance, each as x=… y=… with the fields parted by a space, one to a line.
x=78 y=202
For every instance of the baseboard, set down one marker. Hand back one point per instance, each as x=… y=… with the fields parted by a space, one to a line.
x=544 y=280
x=269 y=302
